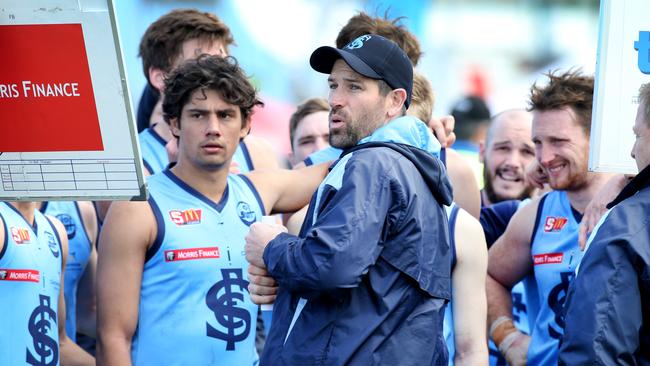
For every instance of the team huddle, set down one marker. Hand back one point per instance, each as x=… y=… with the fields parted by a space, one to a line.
x=377 y=248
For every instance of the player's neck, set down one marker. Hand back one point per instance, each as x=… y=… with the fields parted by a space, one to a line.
x=210 y=183
x=580 y=198
x=26 y=209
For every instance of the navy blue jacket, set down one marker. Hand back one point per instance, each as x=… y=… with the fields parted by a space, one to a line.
x=608 y=304
x=372 y=263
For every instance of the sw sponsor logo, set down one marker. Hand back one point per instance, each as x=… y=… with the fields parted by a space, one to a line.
x=185 y=217
x=192 y=253
x=22 y=275
x=19 y=235
x=554 y=223
x=548 y=258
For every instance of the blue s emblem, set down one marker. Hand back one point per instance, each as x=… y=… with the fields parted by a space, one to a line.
x=358 y=42
x=245 y=213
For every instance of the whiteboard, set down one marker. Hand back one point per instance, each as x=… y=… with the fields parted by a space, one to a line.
x=618 y=78
x=66 y=121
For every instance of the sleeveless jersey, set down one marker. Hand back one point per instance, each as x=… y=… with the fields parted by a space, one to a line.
x=30 y=278
x=79 y=248
x=155 y=158
x=448 y=323
x=195 y=308
x=555 y=255
x=152 y=148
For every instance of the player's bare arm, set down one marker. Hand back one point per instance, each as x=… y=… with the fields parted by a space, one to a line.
x=461 y=176
x=288 y=190
x=124 y=243
x=470 y=304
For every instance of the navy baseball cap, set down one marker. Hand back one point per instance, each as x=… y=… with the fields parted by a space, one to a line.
x=372 y=56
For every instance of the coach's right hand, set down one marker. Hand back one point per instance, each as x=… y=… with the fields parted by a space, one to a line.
x=261 y=286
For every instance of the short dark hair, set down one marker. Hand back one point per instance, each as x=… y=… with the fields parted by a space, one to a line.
x=644 y=98
x=222 y=75
x=363 y=23
x=162 y=42
x=570 y=89
x=304 y=109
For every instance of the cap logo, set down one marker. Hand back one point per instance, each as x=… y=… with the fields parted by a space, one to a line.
x=357 y=43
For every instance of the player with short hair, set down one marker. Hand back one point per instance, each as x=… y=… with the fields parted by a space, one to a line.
x=308 y=130
x=561 y=123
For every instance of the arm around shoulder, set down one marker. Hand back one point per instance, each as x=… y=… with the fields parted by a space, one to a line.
x=285 y=190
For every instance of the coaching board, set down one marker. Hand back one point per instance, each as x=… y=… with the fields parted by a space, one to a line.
x=623 y=64
x=66 y=120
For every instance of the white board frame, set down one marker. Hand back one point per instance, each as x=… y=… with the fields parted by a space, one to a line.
x=117 y=122
x=618 y=79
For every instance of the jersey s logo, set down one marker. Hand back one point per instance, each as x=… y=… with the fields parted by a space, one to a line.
x=185 y=217
x=41 y=322
x=225 y=302
x=19 y=235
x=68 y=223
x=556 y=299
x=245 y=213
x=52 y=244
x=554 y=223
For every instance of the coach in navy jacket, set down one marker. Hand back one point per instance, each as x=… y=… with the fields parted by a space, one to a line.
x=367 y=280
x=608 y=304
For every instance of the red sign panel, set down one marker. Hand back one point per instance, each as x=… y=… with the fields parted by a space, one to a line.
x=46 y=95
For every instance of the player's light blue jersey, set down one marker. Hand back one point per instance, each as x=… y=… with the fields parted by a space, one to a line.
x=155 y=158
x=152 y=149
x=30 y=278
x=79 y=248
x=555 y=255
x=195 y=308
